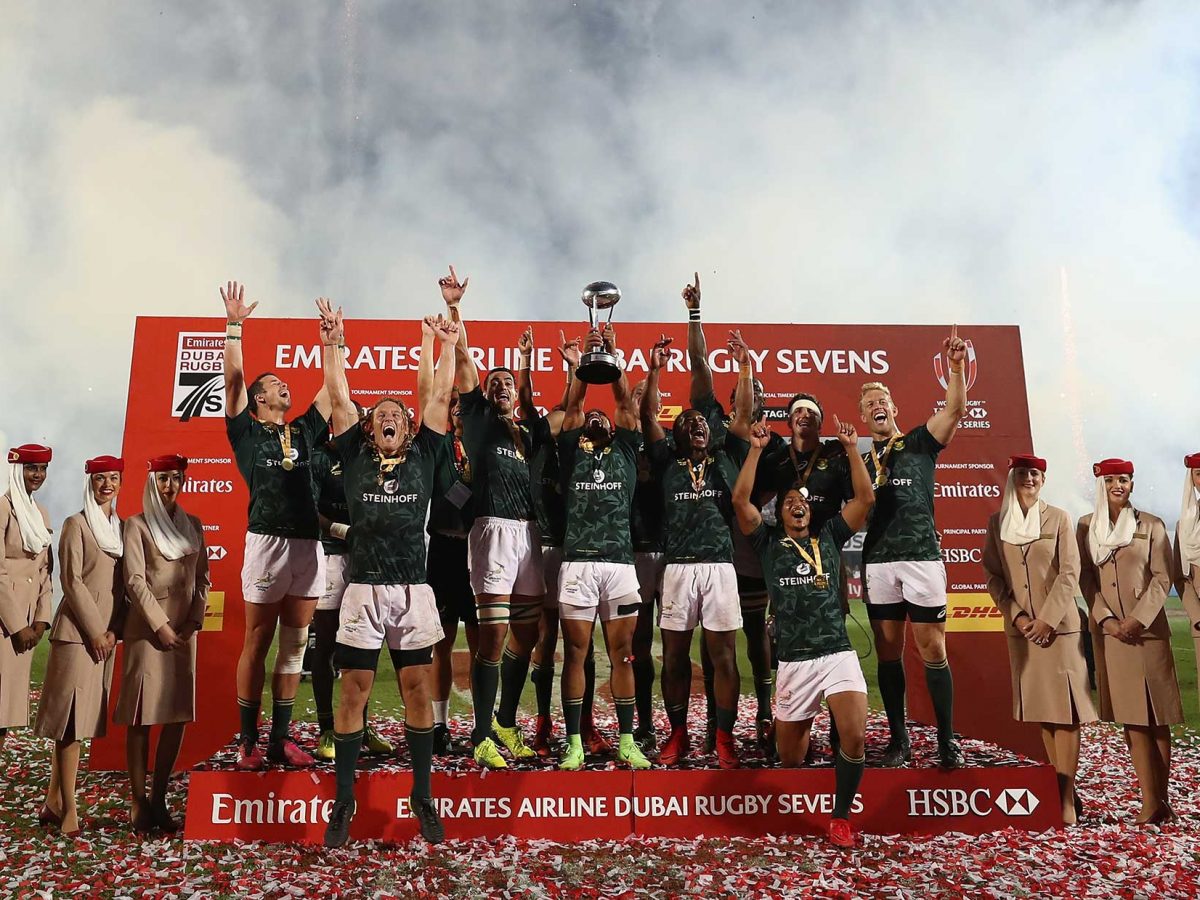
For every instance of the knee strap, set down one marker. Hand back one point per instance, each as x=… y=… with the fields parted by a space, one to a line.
x=292 y=643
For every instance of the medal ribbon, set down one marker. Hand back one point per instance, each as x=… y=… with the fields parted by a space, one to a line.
x=697 y=474
x=881 y=461
x=813 y=560
x=285 y=441
x=802 y=477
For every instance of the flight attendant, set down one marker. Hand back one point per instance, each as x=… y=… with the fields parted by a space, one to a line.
x=1186 y=572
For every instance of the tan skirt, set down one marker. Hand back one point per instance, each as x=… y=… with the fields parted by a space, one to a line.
x=1050 y=684
x=1137 y=682
x=75 y=685
x=14 y=684
x=157 y=687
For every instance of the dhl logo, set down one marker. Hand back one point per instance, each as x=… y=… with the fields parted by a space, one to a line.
x=972 y=612
x=214 y=612
x=669 y=413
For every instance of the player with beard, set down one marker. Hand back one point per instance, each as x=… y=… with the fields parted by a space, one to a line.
x=695 y=474
x=446 y=563
x=505 y=553
x=599 y=470
x=904 y=576
x=816 y=660
x=752 y=589
x=389 y=472
x=283 y=572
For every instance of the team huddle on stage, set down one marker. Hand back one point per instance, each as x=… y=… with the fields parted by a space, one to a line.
x=379 y=526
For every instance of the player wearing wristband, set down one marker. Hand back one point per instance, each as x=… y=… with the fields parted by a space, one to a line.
x=905 y=578
x=816 y=660
x=283 y=572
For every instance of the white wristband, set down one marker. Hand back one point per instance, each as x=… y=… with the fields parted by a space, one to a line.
x=338 y=530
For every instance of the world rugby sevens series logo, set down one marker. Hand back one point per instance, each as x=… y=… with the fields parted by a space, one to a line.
x=972 y=368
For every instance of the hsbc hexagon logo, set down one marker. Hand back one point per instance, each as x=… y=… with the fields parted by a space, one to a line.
x=216 y=552
x=1017 y=801
x=972 y=367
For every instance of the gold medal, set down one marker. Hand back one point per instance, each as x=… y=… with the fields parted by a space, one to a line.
x=820 y=580
x=880 y=460
x=285 y=441
x=287 y=464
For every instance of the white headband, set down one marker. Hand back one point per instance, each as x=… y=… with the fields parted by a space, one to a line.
x=805 y=403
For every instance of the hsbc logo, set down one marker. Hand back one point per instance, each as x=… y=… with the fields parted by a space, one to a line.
x=961 y=555
x=216 y=552
x=208 y=486
x=199 y=376
x=941 y=802
x=970 y=372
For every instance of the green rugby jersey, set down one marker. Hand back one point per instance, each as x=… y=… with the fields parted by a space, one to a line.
x=808 y=619
x=500 y=478
x=281 y=501
x=331 y=496
x=696 y=514
x=548 y=504
x=901 y=526
x=828 y=480
x=449 y=504
x=598 y=487
x=387 y=509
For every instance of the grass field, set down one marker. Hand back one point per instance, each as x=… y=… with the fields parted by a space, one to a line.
x=386 y=696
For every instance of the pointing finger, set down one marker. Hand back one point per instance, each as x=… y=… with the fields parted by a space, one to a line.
x=954 y=332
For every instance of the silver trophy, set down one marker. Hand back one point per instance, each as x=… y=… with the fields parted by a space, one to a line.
x=599 y=366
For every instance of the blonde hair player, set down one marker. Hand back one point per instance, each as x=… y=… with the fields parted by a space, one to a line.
x=1032 y=565
x=905 y=578
x=1125 y=580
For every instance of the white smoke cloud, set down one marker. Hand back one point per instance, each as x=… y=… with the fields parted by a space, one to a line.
x=911 y=162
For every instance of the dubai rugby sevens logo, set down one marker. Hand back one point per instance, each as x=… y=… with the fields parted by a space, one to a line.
x=972 y=369
x=199 y=375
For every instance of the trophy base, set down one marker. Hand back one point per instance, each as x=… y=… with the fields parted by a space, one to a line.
x=598 y=368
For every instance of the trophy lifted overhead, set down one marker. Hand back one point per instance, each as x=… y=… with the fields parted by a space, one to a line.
x=600 y=366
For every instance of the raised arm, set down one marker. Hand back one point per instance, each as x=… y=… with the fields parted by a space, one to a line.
x=748 y=516
x=569 y=351
x=626 y=412
x=236 y=312
x=336 y=389
x=435 y=406
x=743 y=398
x=943 y=422
x=525 y=402
x=577 y=389
x=466 y=376
x=858 y=507
x=652 y=430
x=425 y=363
x=702 y=383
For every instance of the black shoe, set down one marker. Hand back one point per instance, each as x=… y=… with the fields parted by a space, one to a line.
x=431 y=823
x=950 y=755
x=710 y=736
x=337 y=832
x=441 y=740
x=897 y=754
x=646 y=739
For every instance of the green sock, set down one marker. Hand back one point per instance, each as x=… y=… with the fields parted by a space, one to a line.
x=726 y=718
x=346 y=749
x=941 y=692
x=572 y=710
x=891 y=690
x=625 y=709
x=281 y=720
x=485 y=678
x=248 y=715
x=847 y=775
x=542 y=677
x=420 y=746
x=513 y=670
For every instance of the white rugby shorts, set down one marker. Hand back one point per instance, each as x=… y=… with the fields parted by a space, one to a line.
x=590 y=590
x=919 y=582
x=404 y=616
x=801 y=686
x=506 y=557
x=336 y=566
x=704 y=594
x=276 y=567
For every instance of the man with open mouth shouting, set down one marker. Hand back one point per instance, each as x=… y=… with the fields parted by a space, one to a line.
x=695 y=476
x=905 y=578
x=503 y=547
x=388 y=465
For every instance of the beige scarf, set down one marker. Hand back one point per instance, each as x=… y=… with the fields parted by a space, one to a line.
x=1017 y=527
x=173 y=535
x=1105 y=538
x=1189 y=527
x=35 y=536
x=105 y=529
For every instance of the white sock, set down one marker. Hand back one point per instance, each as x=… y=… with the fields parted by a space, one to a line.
x=441 y=709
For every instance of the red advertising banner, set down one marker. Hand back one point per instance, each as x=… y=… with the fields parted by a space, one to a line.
x=581 y=806
x=176 y=402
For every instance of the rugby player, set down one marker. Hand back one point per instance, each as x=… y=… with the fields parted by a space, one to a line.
x=388 y=466
x=598 y=459
x=752 y=590
x=904 y=576
x=694 y=475
x=283 y=572
x=503 y=547
x=816 y=659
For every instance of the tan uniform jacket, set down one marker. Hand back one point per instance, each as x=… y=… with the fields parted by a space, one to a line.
x=1137 y=681
x=1041 y=579
x=26 y=594
x=157 y=686
x=1188 y=587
